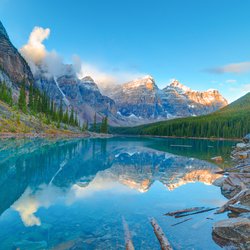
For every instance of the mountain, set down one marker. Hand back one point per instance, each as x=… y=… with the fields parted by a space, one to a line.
x=84 y=96
x=143 y=101
x=13 y=68
x=136 y=102
x=232 y=121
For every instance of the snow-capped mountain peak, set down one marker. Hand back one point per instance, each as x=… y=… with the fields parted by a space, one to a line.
x=176 y=84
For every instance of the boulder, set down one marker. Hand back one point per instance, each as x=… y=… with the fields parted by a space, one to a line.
x=241 y=145
x=242 y=155
x=246 y=139
x=217 y=159
x=233 y=231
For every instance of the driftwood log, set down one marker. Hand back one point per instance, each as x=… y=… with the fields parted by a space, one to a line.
x=165 y=245
x=235 y=199
x=128 y=238
x=189 y=211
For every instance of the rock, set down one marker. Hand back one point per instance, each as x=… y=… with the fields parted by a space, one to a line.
x=234 y=183
x=246 y=139
x=233 y=231
x=241 y=155
x=238 y=208
x=31 y=245
x=245 y=215
x=12 y=63
x=218 y=182
x=241 y=145
x=217 y=159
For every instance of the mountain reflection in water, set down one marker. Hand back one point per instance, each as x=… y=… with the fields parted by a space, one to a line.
x=40 y=173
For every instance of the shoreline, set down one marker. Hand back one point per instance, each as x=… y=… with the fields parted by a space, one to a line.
x=183 y=137
x=53 y=135
x=88 y=134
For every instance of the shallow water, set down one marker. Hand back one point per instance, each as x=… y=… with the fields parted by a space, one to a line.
x=68 y=193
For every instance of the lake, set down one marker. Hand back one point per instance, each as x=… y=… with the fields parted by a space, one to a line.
x=76 y=194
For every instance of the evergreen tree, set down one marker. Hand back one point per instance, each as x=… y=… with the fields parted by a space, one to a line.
x=22 y=99
x=61 y=111
x=94 y=123
x=5 y=93
x=31 y=97
x=71 y=118
x=66 y=117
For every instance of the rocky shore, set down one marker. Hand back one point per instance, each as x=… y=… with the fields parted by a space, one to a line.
x=235 y=185
x=58 y=134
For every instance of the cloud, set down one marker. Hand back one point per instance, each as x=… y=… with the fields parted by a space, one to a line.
x=37 y=56
x=101 y=77
x=35 y=50
x=51 y=63
x=235 y=68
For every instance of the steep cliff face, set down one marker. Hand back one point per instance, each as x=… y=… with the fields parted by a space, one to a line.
x=12 y=65
x=142 y=99
x=84 y=95
x=139 y=98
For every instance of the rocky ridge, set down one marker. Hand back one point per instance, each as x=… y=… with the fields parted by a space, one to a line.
x=13 y=68
x=142 y=101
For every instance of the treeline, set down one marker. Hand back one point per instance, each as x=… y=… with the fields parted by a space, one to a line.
x=5 y=94
x=232 y=121
x=39 y=103
x=102 y=127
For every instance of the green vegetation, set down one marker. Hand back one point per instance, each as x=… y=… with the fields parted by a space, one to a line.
x=5 y=94
x=22 y=105
x=38 y=105
x=104 y=125
x=99 y=127
x=233 y=121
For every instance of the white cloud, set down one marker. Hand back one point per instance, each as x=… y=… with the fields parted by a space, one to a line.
x=235 y=68
x=35 y=50
x=101 y=77
x=36 y=53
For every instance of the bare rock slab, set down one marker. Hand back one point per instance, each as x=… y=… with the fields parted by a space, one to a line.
x=234 y=231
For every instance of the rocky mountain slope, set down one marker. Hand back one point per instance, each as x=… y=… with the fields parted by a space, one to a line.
x=13 y=68
x=142 y=99
x=232 y=121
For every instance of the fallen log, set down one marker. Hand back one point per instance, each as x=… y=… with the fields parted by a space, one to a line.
x=196 y=212
x=181 y=222
x=165 y=245
x=239 y=209
x=243 y=193
x=128 y=238
x=177 y=212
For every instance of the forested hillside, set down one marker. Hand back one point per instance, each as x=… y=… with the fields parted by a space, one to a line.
x=233 y=121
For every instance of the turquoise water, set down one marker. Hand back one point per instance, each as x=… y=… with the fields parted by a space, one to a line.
x=73 y=194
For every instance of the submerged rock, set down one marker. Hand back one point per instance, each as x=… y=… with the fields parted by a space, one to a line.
x=234 y=231
x=217 y=159
x=31 y=245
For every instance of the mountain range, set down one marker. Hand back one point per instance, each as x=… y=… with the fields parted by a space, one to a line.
x=137 y=102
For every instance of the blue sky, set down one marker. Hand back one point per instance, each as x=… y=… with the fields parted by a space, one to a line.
x=204 y=44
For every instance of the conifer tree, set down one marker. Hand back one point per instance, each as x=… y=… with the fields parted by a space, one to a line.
x=31 y=97
x=22 y=99
x=71 y=118
x=61 y=111
x=94 y=123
